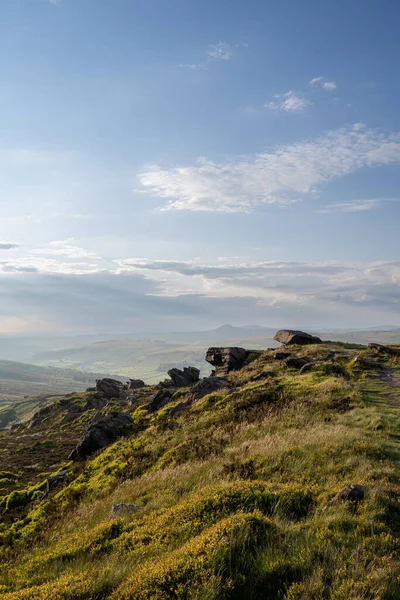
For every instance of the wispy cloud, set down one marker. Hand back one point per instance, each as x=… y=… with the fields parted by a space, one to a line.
x=357 y=205
x=221 y=51
x=289 y=102
x=8 y=245
x=279 y=177
x=322 y=82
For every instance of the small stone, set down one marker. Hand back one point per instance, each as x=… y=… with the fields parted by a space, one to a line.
x=306 y=368
x=123 y=510
x=296 y=363
x=353 y=493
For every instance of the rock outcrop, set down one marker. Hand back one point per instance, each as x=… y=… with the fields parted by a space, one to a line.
x=97 y=401
x=74 y=411
x=384 y=349
x=101 y=434
x=54 y=481
x=109 y=388
x=226 y=360
x=291 y=337
x=183 y=378
x=135 y=384
x=160 y=399
x=206 y=386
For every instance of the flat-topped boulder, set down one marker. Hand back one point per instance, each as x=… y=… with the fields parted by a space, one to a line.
x=136 y=384
x=292 y=337
x=184 y=377
x=226 y=360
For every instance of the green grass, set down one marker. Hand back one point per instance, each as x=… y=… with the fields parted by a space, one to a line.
x=235 y=495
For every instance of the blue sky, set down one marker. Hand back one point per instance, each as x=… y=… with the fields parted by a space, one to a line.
x=183 y=164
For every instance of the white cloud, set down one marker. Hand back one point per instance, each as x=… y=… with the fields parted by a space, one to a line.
x=142 y=293
x=322 y=285
x=278 y=177
x=220 y=51
x=8 y=245
x=357 y=205
x=322 y=82
x=289 y=102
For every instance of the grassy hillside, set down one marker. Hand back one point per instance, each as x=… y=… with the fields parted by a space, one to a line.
x=25 y=388
x=235 y=491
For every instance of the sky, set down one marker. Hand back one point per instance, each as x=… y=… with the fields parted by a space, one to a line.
x=180 y=165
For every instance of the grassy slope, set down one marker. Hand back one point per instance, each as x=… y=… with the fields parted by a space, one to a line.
x=25 y=388
x=235 y=494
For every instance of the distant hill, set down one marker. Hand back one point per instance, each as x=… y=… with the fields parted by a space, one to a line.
x=150 y=355
x=20 y=379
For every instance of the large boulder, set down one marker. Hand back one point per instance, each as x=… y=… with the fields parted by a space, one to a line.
x=109 y=388
x=102 y=433
x=226 y=359
x=183 y=378
x=291 y=336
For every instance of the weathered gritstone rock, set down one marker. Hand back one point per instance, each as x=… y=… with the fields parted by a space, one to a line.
x=296 y=363
x=160 y=399
x=101 y=434
x=97 y=401
x=384 y=349
x=183 y=378
x=281 y=355
x=226 y=360
x=180 y=378
x=292 y=336
x=55 y=480
x=353 y=493
x=74 y=411
x=135 y=384
x=206 y=386
x=109 y=388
